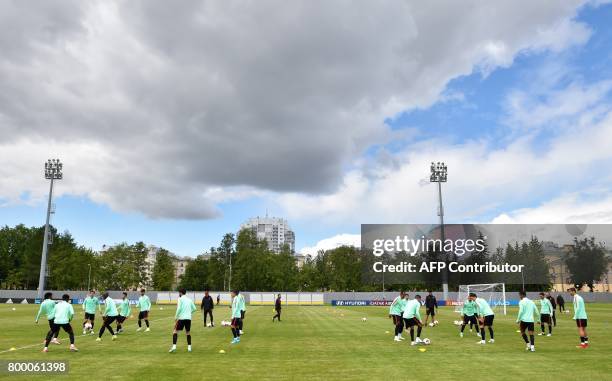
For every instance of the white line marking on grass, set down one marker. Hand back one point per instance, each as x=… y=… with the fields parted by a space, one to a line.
x=81 y=335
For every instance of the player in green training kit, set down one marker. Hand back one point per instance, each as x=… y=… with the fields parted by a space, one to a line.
x=469 y=316
x=90 y=305
x=108 y=316
x=412 y=317
x=526 y=319
x=236 y=316
x=63 y=315
x=580 y=316
x=486 y=316
x=124 y=312
x=395 y=312
x=182 y=319
x=47 y=307
x=144 y=305
x=546 y=311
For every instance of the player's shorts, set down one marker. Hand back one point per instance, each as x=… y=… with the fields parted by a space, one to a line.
x=66 y=327
x=469 y=319
x=545 y=318
x=397 y=319
x=143 y=315
x=186 y=323
x=235 y=322
x=121 y=319
x=89 y=316
x=242 y=314
x=526 y=326
x=411 y=322
x=488 y=320
x=431 y=311
x=108 y=320
x=581 y=323
x=51 y=323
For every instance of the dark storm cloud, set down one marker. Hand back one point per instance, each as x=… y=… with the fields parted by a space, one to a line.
x=272 y=95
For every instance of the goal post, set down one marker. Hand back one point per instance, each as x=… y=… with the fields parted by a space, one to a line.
x=494 y=293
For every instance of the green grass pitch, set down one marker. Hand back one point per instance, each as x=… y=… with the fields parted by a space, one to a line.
x=313 y=343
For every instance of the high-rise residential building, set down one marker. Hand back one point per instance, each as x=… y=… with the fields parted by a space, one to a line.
x=274 y=230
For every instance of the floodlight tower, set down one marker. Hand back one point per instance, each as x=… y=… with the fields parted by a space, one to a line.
x=438 y=175
x=53 y=171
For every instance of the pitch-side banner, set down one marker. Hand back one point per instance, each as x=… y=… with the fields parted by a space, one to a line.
x=520 y=254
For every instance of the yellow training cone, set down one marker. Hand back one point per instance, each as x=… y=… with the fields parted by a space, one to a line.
x=221 y=351
x=422 y=349
x=13 y=349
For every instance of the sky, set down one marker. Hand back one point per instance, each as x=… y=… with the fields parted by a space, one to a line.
x=176 y=123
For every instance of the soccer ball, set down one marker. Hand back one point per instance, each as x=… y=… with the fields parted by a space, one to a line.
x=431 y=324
x=436 y=322
x=426 y=341
x=364 y=319
x=87 y=326
x=208 y=324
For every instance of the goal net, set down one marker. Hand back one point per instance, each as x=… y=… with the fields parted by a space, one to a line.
x=494 y=293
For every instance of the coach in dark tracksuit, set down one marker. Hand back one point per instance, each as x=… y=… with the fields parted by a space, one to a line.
x=277 y=308
x=561 y=303
x=207 y=307
x=431 y=304
x=554 y=307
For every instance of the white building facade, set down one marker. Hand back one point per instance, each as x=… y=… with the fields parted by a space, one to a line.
x=274 y=230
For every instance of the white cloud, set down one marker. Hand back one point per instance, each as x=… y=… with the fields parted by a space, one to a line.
x=570 y=208
x=158 y=108
x=332 y=243
x=481 y=179
x=559 y=106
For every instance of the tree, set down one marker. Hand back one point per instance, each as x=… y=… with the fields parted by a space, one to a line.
x=163 y=271
x=69 y=264
x=217 y=270
x=251 y=266
x=138 y=258
x=196 y=275
x=586 y=262
x=112 y=270
x=225 y=254
x=284 y=270
x=345 y=265
x=477 y=257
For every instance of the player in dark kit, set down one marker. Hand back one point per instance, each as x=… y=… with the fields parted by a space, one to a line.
x=431 y=304
x=554 y=307
x=277 y=308
x=561 y=303
x=207 y=307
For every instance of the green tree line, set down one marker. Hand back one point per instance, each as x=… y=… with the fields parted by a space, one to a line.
x=244 y=262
